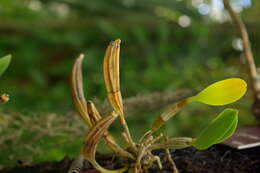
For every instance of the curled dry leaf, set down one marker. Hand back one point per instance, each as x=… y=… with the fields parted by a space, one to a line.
x=93 y=113
x=95 y=134
x=77 y=91
x=93 y=138
x=87 y=109
x=111 y=77
x=109 y=140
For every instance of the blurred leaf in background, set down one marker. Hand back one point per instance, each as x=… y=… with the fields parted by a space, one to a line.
x=173 y=36
x=4 y=63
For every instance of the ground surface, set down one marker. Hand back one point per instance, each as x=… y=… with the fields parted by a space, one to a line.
x=218 y=159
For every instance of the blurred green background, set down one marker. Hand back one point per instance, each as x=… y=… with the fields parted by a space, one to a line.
x=167 y=45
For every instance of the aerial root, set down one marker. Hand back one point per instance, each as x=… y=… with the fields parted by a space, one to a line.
x=169 y=158
x=145 y=158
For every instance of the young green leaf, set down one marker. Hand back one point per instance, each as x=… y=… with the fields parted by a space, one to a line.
x=222 y=127
x=4 y=63
x=222 y=92
x=219 y=93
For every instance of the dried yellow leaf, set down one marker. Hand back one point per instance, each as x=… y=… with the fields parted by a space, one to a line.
x=77 y=91
x=111 y=76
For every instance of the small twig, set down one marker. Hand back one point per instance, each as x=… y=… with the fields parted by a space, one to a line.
x=246 y=44
x=248 y=55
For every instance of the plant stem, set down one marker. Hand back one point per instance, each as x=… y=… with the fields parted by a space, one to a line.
x=127 y=133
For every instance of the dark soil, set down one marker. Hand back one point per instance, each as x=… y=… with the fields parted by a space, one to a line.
x=217 y=159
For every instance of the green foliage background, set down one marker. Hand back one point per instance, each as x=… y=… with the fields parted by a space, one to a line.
x=157 y=54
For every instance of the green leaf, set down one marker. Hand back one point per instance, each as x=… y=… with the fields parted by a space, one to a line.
x=222 y=127
x=230 y=132
x=222 y=92
x=4 y=62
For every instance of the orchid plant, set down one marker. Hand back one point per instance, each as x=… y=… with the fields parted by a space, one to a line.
x=138 y=156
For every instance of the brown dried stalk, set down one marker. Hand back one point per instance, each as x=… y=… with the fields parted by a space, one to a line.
x=109 y=140
x=94 y=137
x=249 y=57
x=111 y=76
x=168 y=113
x=78 y=92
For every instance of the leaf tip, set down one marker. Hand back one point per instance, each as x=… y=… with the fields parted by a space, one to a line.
x=118 y=41
x=81 y=56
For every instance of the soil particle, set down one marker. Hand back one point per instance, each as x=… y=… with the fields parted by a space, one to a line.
x=217 y=159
